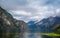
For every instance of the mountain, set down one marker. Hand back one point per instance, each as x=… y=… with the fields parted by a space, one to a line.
x=6 y=23
x=32 y=26
x=31 y=22
x=21 y=25
x=9 y=27
x=47 y=24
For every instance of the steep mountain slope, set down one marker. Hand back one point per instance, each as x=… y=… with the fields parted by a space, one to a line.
x=31 y=22
x=32 y=26
x=6 y=23
x=9 y=26
x=47 y=24
x=21 y=25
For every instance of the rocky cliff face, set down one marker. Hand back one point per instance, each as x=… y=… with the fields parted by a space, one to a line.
x=9 y=26
x=6 y=23
x=22 y=25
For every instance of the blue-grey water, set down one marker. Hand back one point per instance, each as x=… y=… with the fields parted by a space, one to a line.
x=32 y=35
x=29 y=35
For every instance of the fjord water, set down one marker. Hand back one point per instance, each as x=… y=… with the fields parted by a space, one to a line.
x=29 y=35
x=32 y=35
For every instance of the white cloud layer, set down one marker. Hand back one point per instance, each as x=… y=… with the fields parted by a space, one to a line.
x=23 y=13
x=31 y=9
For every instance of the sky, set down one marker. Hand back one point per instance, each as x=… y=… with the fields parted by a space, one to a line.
x=27 y=10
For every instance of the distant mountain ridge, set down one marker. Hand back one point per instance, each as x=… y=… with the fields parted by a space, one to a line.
x=46 y=24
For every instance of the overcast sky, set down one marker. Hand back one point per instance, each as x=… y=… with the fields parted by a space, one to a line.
x=31 y=9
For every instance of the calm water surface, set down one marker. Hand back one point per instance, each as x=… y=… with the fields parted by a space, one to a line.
x=29 y=35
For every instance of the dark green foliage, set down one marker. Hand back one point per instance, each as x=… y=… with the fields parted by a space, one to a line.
x=58 y=29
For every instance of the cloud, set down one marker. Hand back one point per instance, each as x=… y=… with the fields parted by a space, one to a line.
x=13 y=4
x=55 y=3
x=31 y=9
x=24 y=13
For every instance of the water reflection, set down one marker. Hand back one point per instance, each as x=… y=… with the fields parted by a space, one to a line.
x=32 y=35
x=28 y=35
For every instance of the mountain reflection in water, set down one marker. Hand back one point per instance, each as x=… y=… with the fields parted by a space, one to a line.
x=29 y=35
x=32 y=35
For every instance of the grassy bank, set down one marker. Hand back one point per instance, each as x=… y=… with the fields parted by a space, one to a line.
x=50 y=34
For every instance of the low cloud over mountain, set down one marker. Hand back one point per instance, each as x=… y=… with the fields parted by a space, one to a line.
x=31 y=9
